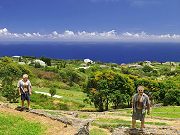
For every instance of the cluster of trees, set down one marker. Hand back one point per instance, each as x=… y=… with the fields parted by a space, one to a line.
x=107 y=87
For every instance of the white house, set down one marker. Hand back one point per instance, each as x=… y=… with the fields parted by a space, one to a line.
x=88 y=61
x=42 y=63
x=16 y=58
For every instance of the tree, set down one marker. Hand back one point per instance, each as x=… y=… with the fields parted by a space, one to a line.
x=46 y=60
x=52 y=91
x=37 y=65
x=172 y=97
x=9 y=72
x=108 y=87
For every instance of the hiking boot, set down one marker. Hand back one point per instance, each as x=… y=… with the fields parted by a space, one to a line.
x=21 y=109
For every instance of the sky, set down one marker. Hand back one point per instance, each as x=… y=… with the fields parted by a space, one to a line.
x=90 y=20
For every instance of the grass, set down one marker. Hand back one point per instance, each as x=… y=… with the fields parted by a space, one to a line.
x=72 y=99
x=97 y=131
x=166 y=112
x=110 y=123
x=15 y=125
x=71 y=94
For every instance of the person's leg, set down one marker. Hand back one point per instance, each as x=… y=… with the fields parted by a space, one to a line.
x=142 y=124
x=22 y=103
x=28 y=102
x=133 y=123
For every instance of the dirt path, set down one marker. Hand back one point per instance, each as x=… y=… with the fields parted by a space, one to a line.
x=172 y=123
x=53 y=127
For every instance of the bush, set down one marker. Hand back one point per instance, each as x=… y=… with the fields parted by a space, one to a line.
x=172 y=97
x=52 y=91
x=10 y=92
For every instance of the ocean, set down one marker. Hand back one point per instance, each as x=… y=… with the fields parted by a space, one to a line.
x=104 y=52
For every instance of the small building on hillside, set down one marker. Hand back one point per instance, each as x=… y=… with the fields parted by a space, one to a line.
x=42 y=63
x=17 y=58
x=88 y=61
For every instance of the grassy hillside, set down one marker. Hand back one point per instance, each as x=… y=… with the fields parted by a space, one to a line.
x=69 y=78
x=16 y=125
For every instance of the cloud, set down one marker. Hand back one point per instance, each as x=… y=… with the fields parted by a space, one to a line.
x=69 y=35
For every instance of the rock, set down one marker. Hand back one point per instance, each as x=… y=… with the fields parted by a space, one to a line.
x=146 y=131
x=84 y=129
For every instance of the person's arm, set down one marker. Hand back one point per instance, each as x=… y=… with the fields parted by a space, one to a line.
x=30 y=88
x=132 y=103
x=18 y=86
x=148 y=105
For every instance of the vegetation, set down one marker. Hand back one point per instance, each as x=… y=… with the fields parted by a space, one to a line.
x=52 y=91
x=90 y=87
x=105 y=85
x=108 y=87
x=14 y=125
x=97 y=131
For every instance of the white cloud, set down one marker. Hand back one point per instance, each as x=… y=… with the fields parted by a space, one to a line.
x=68 y=35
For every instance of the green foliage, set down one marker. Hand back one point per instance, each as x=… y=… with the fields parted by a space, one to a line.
x=10 y=92
x=46 y=60
x=70 y=76
x=6 y=59
x=37 y=65
x=9 y=72
x=52 y=91
x=13 y=125
x=105 y=87
x=172 y=97
x=147 y=68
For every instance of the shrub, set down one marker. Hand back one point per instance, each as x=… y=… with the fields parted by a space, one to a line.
x=10 y=92
x=172 y=97
x=52 y=91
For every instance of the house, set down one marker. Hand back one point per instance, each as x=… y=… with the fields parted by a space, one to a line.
x=88 y=61
x=17 y=58
x=42 y=63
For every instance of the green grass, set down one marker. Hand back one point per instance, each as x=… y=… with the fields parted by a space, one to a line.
x=14 y=125
x=166 y=112
x=110 y=124
x=71 y=94
x=97 y=131
x=72 y=99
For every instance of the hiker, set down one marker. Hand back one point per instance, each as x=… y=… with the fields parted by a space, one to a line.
x=25 y=90
x=140 y=103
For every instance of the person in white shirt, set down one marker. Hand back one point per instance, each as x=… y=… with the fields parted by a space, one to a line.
x=25 y=90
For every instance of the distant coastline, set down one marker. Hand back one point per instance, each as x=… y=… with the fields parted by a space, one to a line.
x=104 y=52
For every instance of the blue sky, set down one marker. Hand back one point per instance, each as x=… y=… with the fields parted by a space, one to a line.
x=119 y=17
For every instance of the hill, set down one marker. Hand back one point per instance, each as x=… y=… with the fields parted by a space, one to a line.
x=77 y=83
